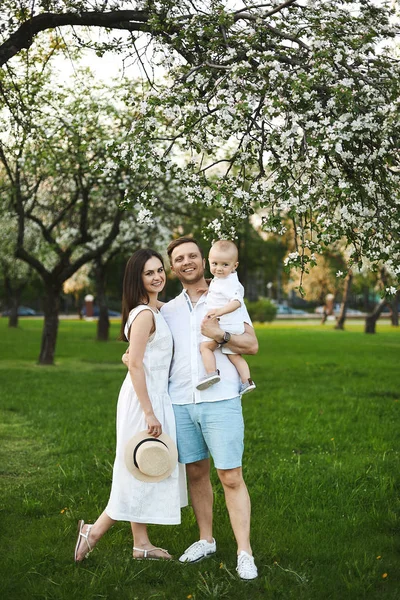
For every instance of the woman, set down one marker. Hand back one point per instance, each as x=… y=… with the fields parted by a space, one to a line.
x=143 y=404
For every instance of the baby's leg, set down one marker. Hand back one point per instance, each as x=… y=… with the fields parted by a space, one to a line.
x=241 y=366
x=207 y=355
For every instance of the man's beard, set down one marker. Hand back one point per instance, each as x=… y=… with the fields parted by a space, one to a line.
x=185 y=281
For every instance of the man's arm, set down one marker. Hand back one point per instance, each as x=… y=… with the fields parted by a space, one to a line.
x=125 y=357
x=245 y=343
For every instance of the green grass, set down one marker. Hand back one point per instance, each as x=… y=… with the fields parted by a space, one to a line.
x=321 y=464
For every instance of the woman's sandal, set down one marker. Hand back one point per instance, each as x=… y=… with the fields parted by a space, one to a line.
x=85 y=536
x=147 y=557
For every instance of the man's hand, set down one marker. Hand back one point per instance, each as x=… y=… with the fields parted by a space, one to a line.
x=125 y=357
x=210 y=328
x=245 y=343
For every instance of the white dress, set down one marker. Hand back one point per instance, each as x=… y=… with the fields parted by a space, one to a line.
x=131 y=499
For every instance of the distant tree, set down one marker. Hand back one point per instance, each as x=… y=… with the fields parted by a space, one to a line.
x=78 y=284
x=132 y=236
x=394 y=307
x=323 y=278
x=388 y=298
x=345 y=298
x=67 y=168
x=15 y=273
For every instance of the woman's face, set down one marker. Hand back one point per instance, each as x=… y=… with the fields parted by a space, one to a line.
x=153 y=275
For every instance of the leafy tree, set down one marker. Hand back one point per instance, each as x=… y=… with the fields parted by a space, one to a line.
x=132 y=235
x=77 y=285
x=324 y=278
x=301 y=97
x=305 y=107
x=15 y=273
x=67 y=172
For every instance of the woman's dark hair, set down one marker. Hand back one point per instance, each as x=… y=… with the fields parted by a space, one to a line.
x=133 y=292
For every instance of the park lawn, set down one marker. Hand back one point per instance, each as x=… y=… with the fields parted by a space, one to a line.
x=321 y=464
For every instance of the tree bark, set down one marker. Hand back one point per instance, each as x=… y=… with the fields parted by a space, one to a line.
x=395 y=309
x=103 y=324
x=23 y=37
x=371 y=319
x=14 y=304
x=342 y=316
x=13 y=300
x=50 y=326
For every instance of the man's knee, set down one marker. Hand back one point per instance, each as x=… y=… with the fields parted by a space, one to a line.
x=198 y=471
x=231 y=478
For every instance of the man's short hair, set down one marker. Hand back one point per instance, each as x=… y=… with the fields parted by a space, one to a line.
x=182 y=240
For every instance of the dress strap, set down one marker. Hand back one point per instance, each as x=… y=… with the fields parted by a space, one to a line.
x=132 y=316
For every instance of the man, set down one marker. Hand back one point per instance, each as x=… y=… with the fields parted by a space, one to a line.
x=208 y=421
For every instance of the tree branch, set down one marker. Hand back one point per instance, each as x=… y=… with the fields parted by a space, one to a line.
x=130 y=20
x=271 y=12
x=92 y=254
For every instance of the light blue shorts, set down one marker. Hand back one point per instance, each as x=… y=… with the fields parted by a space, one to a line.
x=214 y=428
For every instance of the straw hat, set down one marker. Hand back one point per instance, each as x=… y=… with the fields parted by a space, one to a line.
x=151 y=459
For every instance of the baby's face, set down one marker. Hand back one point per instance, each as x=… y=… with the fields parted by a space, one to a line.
x=222 y=263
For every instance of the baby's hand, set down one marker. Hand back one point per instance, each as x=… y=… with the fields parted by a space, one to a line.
x=211 y=314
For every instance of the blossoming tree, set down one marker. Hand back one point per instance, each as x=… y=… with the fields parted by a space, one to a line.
x=15 y=273
x=63 y=157
x=290 y=104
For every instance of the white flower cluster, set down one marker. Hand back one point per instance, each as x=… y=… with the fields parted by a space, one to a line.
x=291 y=258
x=304 y=130
x=145 y=216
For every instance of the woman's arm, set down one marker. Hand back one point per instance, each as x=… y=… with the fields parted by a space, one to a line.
x=139 y=334
x=245 y=343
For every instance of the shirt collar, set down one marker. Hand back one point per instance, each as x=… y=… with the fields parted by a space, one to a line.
x=200 y=301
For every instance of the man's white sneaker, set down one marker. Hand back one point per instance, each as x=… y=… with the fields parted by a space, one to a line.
x=245 y=566
x=198 y=551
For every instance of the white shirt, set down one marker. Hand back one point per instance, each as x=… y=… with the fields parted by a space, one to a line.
x=220 y=292
x=184 y=321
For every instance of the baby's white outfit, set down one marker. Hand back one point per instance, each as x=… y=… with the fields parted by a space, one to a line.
x=131 y=499
x=220 y=292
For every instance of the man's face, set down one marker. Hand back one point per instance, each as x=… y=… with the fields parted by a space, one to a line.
x=187 y=264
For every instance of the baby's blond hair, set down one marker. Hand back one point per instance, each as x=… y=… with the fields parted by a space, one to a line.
x=227 y=246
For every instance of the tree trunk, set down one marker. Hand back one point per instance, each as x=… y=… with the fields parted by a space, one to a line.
x=371 y=319
x=342 y=316
x=13 y=294
x=50 y=325
x=103 y=324
x=395 y=309
x=14 y=304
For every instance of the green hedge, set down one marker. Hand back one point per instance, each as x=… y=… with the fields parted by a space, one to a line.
x=262 y=310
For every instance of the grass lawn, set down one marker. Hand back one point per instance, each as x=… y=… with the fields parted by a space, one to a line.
x=321 y=464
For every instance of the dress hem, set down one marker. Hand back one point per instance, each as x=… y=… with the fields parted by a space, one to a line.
x=141 y=520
